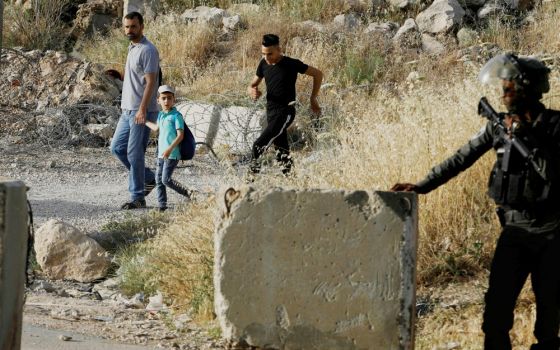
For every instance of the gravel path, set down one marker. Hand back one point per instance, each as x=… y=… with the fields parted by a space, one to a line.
x=87 y=186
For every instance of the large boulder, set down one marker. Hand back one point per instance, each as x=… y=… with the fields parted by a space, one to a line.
x=212 y=16
x=148 y=8
x=491 y=9
x=348 y=22
x=441 y=17
x=64 y=252
x=385 y=28
x=408 y=36
x=232 y=23
x=96 y=16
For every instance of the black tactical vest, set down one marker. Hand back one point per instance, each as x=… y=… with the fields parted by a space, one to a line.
x=520 y=185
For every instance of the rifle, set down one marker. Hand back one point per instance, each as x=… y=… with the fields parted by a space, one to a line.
x=486 y=110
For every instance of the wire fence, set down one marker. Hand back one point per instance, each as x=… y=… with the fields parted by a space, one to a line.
x=229 y=124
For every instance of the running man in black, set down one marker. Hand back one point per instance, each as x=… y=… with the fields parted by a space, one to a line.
x=280 y=74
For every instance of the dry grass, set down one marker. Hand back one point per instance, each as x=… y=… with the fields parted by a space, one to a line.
x=39 y=27
x=178 y=261
x=457 y=319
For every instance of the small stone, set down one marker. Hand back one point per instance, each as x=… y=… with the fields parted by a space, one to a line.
x=64 y=337
x=46 y=286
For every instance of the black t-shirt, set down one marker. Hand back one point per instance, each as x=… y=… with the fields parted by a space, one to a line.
x=280 y=80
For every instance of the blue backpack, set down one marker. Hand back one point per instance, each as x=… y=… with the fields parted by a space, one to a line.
x=188 y=145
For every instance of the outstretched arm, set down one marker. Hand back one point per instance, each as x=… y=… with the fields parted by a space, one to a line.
x=317 y=80
x=253 y=89
x=452 y=166
x=152 y=125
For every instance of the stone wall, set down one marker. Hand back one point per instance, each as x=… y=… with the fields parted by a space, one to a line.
x=316 y=269
x=13 y=249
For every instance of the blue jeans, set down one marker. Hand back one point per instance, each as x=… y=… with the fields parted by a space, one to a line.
x=129 y=146
x=164 y=170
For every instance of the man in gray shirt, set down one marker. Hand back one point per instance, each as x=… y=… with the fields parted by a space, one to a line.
x=139 y=103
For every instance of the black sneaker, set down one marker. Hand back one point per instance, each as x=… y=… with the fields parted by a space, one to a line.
x=162 y=209
x=136 y=204
x=149 y=187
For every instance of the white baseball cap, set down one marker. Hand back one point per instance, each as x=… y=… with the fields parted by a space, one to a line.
x=165 y=88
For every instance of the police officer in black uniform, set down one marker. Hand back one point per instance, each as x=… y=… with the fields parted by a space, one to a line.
x=526 y=189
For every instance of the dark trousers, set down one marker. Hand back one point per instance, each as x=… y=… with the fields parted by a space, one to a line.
x=276 y=132
x=517 y=255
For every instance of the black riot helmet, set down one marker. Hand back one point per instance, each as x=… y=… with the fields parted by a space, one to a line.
x=529 y=73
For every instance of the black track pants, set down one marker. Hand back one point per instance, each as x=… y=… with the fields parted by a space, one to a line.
x=517 y=255
x=278 y=121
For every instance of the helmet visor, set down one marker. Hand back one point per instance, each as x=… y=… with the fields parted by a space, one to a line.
x=498 y=68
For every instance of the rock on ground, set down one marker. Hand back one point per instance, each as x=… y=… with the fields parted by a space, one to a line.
x=64 y=252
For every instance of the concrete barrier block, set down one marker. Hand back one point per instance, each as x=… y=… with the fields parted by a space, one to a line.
x=239 y=128
x=315 y=269
x=13 y=249
x=202 y=119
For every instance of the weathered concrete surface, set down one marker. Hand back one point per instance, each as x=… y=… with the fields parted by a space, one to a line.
x=233 y=127
x=202 y=119
x=316 y=269
x=239 y=128
x=13 y=251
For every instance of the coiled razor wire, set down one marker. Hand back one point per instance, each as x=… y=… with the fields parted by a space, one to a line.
x=229 y=123
x=68 y=125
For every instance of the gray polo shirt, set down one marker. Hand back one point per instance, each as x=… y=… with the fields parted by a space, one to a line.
x=143 y=58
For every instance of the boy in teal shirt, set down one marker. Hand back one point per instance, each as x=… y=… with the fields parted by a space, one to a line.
x=171 y=128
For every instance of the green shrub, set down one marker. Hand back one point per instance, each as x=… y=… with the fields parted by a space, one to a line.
x=362 y=67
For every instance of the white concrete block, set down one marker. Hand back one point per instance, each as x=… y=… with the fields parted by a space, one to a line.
x=202 y=119
x=316 y=269
x=239 y=128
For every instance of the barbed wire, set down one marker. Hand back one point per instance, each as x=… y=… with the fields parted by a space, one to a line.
x=229 y=122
